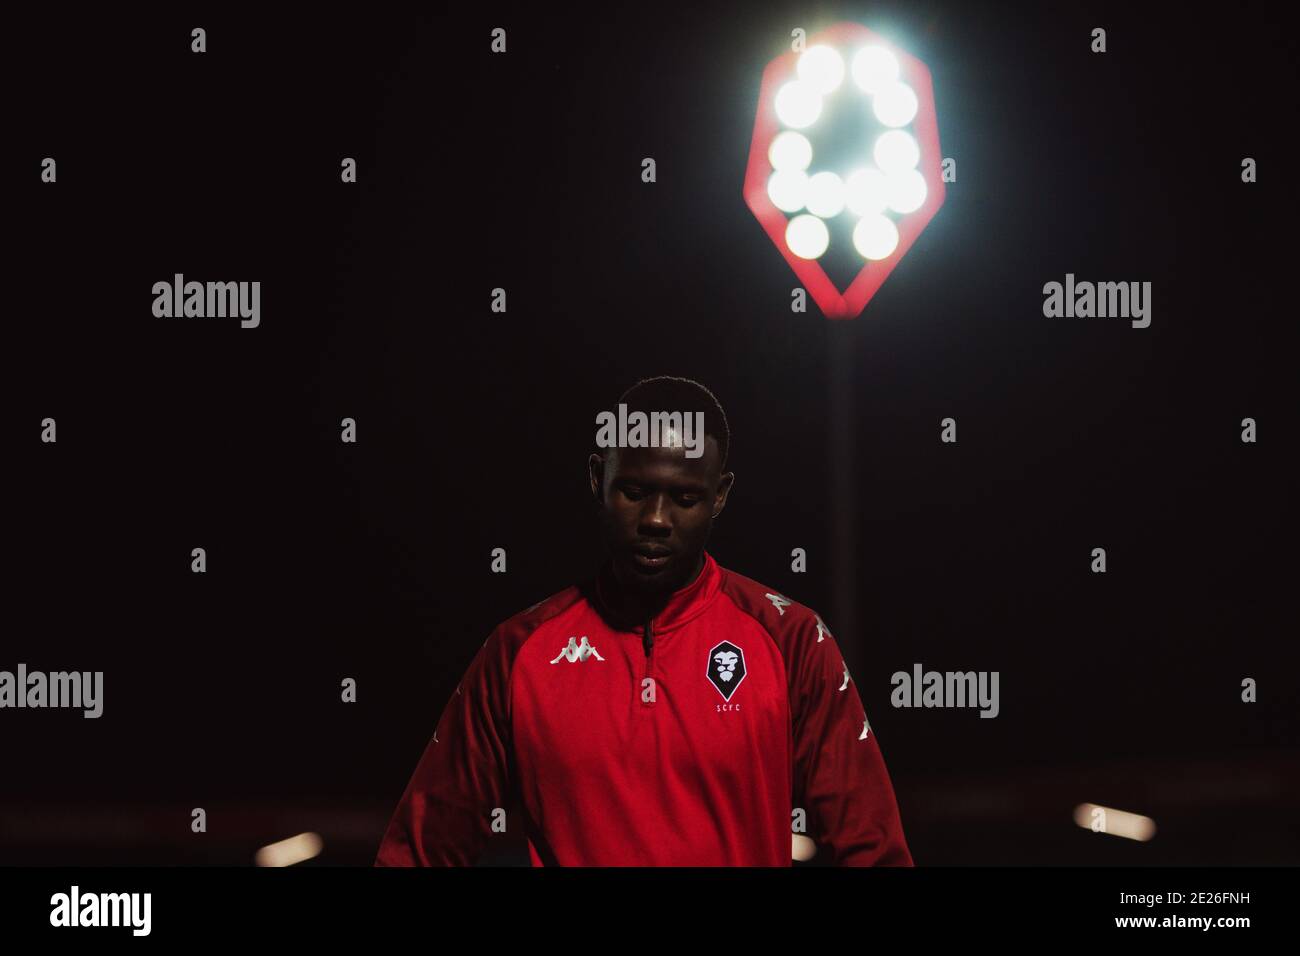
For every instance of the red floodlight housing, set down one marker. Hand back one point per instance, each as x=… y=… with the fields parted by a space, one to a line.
x=874 y=83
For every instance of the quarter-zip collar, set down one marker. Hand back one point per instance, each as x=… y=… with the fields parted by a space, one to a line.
x=684 y=605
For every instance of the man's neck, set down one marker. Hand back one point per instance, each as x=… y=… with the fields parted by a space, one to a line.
x=644 y=607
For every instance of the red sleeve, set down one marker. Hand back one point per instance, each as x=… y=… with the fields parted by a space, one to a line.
x=840 y=775
x=446 y=815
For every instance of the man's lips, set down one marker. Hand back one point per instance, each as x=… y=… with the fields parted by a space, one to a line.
x=651 y=559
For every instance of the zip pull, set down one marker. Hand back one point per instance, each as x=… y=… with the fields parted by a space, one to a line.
x=648 y=639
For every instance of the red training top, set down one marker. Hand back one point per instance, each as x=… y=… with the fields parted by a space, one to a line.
x=687 y=740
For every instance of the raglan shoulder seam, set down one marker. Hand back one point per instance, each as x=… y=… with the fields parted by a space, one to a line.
x=738 y=581
x=559 y=604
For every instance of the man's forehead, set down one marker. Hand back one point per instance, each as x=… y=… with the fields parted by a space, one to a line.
x=667 y=460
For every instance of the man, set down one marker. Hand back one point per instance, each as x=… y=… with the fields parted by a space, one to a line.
x=669 y=712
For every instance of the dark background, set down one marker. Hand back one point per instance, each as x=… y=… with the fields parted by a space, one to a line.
x=522 y=171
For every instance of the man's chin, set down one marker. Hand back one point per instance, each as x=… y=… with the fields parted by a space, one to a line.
x=648 y=579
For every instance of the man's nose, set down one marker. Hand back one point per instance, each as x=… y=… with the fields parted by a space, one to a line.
x=654 y=516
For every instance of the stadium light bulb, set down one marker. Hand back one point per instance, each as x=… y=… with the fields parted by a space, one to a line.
x=875 y=237
x=798 y=104
x=822 y=68
x=807 y=236
x=895 y=104
x=874 y=67
x=790 y=150
x=907 y=191
x=788 y=189
x=866 y=192
x=825 y=195
x=896 y=152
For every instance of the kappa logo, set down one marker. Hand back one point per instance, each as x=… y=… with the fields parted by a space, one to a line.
x=726 y=668
x=574 y=652
x=866 y=729
x=778 y=602
x=822 y=629
x=847 y=678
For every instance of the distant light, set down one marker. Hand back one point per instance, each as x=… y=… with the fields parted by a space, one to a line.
x=807 y=236
x=822 y=68
x=875 y=237
x=295 y=849
x=802 y=848
x=788 y=189
x=826 y=195
x=790 y=150
x=895 y=104
x=907 y=191
x=798 y=104
x=896 y=151
x=866 y=192
x=1120 y=823
x=874 y=67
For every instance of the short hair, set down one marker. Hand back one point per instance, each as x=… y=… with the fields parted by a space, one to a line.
x=669 y=393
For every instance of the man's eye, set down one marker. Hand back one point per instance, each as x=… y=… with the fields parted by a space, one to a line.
x=635 y=494
x=688 y=500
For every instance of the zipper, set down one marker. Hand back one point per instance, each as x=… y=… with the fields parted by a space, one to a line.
x=648 y=645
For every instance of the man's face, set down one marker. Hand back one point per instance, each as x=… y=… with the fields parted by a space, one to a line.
x=657 y=507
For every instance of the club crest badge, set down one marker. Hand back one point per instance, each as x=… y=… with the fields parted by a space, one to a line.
x=726 y=668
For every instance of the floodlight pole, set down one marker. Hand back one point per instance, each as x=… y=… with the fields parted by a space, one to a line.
x=842 y=468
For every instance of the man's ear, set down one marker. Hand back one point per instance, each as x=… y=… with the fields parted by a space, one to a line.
x=724 y=489
x=596 y=475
